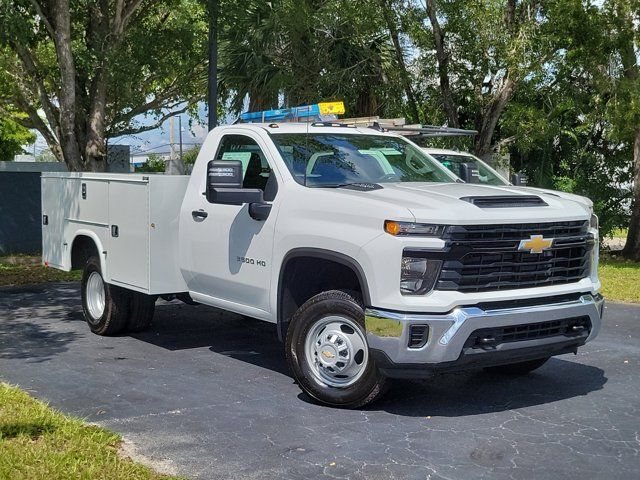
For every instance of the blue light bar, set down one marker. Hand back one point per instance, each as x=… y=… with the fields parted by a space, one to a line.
x=321 y=111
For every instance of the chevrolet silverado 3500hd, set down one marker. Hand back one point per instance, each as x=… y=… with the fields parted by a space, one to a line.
x=371 y=258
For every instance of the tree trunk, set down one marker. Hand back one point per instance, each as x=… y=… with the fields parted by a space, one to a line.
x=632 y=73
x=442 y=57
x=95 y=151
x=490 y=116
x=632 y=247
x=406 y=80
x=67 y=94
x=366 y=104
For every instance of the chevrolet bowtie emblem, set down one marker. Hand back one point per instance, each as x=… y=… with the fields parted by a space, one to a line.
x=535 y=244
x=327 y=354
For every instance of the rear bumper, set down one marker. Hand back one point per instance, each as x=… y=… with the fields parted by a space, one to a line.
x=388 y=335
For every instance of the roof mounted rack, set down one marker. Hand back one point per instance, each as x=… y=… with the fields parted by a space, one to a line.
x=333 y=124
x=398 y=126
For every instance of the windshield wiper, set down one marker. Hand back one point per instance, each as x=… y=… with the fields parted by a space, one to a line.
x=359 y=186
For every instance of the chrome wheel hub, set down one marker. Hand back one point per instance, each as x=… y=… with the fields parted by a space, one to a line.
x=95 y=297
x=337 y=351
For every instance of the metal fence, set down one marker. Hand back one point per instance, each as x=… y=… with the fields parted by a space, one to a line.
x=20 y=205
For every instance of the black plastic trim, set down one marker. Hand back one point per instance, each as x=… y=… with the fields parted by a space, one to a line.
x=324 y=255
x=469 y=360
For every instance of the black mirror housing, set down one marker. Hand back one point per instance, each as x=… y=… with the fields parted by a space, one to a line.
x=519 y=179
x=224 y=184
x=469 y=172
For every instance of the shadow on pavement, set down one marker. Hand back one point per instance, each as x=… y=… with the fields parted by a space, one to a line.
x=177 y=327
x=476 y=392
x=465 y=393
x=37 y=339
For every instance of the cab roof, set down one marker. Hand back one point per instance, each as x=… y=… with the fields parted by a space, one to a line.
x=314 y=128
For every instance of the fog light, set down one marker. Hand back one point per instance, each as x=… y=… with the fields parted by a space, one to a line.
x=418 y=275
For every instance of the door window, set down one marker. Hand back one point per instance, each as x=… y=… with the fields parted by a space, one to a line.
x=256 y=172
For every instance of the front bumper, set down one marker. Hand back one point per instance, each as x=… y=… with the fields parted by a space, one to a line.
x=388 y=335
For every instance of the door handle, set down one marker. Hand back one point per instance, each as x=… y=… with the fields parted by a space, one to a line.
x=199 y=215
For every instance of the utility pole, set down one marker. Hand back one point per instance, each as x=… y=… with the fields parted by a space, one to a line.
x=213 y=64
x=169 y=168
x=180 y=138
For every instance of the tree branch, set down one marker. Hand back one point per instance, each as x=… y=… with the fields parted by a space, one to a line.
x=43 y=17
x=129 y=10
x=145 y=128
x=395 y=39
x=443 y=65
x=31 y=68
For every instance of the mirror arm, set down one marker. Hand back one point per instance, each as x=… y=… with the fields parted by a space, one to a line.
x=259 y=210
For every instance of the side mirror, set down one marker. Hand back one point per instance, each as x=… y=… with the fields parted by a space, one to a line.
x=224 y=184
x=469 y=172
x=519 y=179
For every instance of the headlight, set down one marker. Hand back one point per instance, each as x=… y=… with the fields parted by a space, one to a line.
x=409 y=228
x=418 y=275
x=594 y=222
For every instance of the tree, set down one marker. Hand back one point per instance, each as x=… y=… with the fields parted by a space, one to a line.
x=92 y=67
x=482 y=51
x=12 y=137
x=624 y=20
x=154 y=163
x=298 y=52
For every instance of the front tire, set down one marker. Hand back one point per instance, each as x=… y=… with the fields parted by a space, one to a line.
x=328 y=354
x=105 y=306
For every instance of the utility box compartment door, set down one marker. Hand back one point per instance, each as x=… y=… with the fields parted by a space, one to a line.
x=53 y=211
x=128 y=251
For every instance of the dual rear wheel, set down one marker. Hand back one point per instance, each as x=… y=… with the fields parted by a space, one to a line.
x=110 y=310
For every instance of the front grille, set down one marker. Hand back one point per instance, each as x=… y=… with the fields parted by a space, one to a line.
x=566 y=327
x=486 y=257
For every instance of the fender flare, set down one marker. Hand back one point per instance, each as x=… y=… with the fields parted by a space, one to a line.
x=98 y=243
x=322 y=254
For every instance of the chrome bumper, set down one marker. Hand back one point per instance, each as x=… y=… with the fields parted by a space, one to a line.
x=388 y=332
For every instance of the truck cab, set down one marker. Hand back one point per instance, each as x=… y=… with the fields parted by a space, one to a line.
x=370 y=258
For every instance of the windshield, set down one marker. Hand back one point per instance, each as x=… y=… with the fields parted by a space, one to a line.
x=487 y=175
x=325 y=160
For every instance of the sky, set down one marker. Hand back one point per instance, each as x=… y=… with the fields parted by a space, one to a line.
x=194 y=132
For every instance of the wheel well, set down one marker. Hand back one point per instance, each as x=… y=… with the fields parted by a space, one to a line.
x=303 y=277
x=82 y=249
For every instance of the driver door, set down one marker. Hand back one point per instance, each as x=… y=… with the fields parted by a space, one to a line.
x=229 y=253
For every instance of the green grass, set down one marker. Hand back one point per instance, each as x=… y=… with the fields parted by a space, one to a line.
x=37 y=442
x=620 y=279
x=22 y=270
x=619 y=233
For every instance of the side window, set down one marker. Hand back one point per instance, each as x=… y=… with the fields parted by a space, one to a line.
x=255 y=169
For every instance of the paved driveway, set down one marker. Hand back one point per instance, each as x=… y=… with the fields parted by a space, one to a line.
x=209 y=395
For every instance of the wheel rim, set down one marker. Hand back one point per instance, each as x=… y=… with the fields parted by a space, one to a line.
x=95 y=297
x=336 y=351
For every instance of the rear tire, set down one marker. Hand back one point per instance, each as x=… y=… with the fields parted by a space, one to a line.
x=141 y=311
x=327 y=352
x=105 y=306
x=520 y=368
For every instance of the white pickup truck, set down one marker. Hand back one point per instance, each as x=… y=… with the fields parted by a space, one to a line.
x=369 y=256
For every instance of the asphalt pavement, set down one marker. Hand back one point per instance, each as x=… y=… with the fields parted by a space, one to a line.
x=207 y=394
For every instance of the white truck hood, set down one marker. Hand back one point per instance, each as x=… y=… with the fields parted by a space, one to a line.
x=442 y=203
